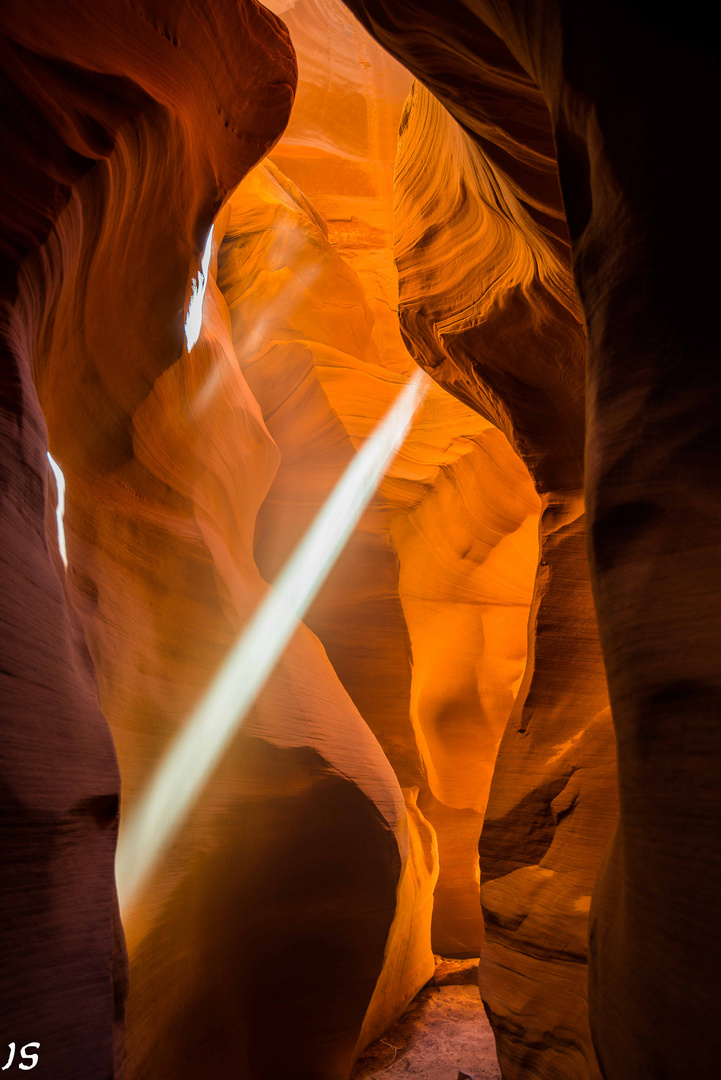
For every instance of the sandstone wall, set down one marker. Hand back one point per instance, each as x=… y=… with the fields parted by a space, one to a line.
x=82 y=90
x=298 y=893
x=340 y=149
x=293 y=856
x=465 y=558
x=651 y=448
x=487 y=306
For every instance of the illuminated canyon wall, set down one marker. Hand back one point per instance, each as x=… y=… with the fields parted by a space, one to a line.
x=188 y=470
x=86 y=97
x=439 y=737
x=588 y=85
x=500 y=335
x=293 y=915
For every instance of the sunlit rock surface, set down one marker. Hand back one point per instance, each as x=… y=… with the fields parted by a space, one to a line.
x=500 y=327
x=315 y=370
x=340 y=150
x=315 y=844
x=86 y=93
x=652 y=458
x=297 y=897
x=301 y=849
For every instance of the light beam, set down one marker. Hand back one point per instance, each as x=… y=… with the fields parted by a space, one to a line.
x=151 y=826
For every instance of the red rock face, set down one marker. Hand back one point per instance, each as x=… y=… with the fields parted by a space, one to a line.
x=500 y=329
x=85 y=95
x=306 y=851
x=292 y=916
x=461 y=596
x=652 y=545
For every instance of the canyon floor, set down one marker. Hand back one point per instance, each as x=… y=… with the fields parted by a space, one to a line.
x=443 y=1032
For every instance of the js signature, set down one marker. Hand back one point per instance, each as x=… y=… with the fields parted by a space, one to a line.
x=24 y=1054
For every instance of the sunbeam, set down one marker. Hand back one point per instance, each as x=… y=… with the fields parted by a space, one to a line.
x=196 y=751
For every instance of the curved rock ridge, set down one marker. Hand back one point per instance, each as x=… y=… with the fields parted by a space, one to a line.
x=301 y=847
x=317 y=374
x=527 y=292
x=340 y=148
x=487 y=306
x=160 y=528
x=465 y=597
x=85 y=94
x=125 y=128
x=652 y=461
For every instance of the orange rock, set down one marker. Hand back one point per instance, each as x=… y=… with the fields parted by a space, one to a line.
x=346 y=170
x=303 y=845
x=314 y=368
x=340 y=148
x=88 y=97
x=651 y=477
x=487 y=303
x=363 y=771
x=298 y=847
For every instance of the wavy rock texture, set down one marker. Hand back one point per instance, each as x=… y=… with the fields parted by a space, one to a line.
x=314 y=368
x=340 y=150
x=497 y=330
x=301 y=839
x=652 y=453
x=488 y=308
x=303 y=848
x=85 y=94
x=176 y=483
x=297 y=847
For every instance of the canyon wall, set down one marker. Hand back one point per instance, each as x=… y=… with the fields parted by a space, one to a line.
x=487 y=305
x=299 y=891
x=340 y=146
x=409 y=579
x=300 y=852
x=340 y=149
x=597 y=80
x=81 y=88
x=298 y=895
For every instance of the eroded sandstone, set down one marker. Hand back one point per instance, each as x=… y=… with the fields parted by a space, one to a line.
x=602 y=74
x=317 y=843
x=303 y=846
x=86 y=94
x=506 y=335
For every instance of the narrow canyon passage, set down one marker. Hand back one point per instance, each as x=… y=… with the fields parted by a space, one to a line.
x=358 y=670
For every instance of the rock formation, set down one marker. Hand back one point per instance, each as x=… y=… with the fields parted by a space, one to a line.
x=289 y=920
x=306 y=853
x=85 y=95
x=346 y=171
x=340 y=146
x=296 y=852
x=310 y=367
x=502 y=329
x=602 y=74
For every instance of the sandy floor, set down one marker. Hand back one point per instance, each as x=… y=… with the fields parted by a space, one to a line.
x=442 y=1033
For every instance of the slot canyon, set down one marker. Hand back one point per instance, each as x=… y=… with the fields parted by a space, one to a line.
x=360 y=535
